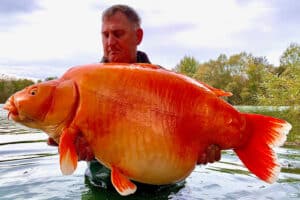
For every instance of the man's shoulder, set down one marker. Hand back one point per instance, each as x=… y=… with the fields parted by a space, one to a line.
x=142 y=57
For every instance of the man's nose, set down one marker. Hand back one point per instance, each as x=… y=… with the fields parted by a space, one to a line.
x=111 y=40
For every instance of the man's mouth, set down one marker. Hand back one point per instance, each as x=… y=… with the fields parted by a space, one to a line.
x=114 y=52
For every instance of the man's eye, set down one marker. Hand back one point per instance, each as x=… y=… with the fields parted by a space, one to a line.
x=105 y=35
x=118 y=34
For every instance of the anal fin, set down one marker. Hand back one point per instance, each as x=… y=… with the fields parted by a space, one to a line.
x=121 y=183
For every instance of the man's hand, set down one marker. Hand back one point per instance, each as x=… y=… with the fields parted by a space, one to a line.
x=212 y=154
x=83 y=149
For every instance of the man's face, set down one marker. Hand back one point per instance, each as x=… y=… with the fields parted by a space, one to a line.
x=120 y=38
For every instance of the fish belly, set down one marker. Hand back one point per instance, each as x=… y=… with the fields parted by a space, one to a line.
x=146 y=156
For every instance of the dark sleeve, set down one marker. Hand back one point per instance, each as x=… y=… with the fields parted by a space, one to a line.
x=103 y=60
x=142 y=57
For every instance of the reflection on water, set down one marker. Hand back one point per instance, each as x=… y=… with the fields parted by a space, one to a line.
x=143 y=192
x=29 y=169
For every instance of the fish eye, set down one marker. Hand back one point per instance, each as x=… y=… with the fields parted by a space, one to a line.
x=33 y=91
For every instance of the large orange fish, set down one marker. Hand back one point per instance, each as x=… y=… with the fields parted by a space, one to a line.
x=144 y=123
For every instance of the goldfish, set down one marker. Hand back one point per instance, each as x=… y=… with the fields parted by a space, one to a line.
x=145 y=124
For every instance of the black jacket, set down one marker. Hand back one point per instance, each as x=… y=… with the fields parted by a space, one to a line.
x=141 y=57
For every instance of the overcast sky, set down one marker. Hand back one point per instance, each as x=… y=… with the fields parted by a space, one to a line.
x=42 y=38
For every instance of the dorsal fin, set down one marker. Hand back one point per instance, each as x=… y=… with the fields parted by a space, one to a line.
x=216 y=91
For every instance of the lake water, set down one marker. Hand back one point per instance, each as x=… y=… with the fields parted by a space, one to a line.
x=29 y=169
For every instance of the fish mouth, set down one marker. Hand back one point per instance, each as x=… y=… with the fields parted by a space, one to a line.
x=11 y=108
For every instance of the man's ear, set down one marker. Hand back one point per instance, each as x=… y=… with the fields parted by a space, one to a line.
x=139 y=36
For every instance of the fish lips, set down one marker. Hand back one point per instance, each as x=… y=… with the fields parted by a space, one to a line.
x=11 y=108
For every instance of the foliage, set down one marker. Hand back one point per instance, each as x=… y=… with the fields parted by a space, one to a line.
x=252 y=80
x=240 y=74
x=283 y=88
x=50 y=78
x=291 y=56
x=8 y=87
x=188 y=66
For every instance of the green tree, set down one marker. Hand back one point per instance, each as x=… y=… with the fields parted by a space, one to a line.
x=187 y=66
x=291 y=56
x=214 y=72
x=50 y=78
x=240 y=74
x=284 y=88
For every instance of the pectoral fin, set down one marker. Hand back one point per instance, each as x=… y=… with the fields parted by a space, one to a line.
x=67 y=152
x=122 y=184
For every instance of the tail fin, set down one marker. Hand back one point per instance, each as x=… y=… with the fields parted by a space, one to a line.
x=257 y=154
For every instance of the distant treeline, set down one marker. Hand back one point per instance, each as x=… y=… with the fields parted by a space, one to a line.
x=8 y=87
x=252 y=80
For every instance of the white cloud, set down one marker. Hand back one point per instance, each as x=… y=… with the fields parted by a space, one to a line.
x=217 y=24
x=68 y=32
x=53 y=32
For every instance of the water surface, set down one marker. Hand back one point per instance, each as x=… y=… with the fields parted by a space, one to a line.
x=29 y=169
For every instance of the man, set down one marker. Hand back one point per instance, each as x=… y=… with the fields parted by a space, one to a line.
x=121 y=34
